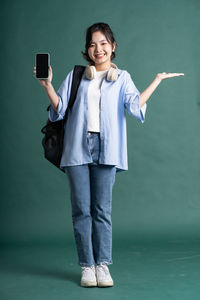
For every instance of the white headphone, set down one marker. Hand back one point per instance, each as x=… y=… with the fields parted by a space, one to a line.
x=112 y=74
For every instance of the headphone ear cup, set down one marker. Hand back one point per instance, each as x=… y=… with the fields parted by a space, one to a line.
x=90 y=72
x=112 y=74
x=109 y=74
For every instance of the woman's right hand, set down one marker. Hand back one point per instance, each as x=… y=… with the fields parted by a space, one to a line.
x=44 y=82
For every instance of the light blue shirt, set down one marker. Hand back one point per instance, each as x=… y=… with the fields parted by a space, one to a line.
x=116 y=96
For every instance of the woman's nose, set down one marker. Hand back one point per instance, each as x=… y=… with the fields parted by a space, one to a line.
x=98 y=48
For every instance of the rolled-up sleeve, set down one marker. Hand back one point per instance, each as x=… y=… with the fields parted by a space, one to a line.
x=132 y=99
x=63 y=93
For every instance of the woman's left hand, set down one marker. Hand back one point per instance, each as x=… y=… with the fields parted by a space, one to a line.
x=165 y=75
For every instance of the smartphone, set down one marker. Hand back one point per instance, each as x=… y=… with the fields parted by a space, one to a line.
x=42 y=65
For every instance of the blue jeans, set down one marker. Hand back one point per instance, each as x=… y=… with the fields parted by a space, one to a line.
x=91 y=202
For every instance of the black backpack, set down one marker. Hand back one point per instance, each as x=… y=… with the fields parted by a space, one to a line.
x=52 y=141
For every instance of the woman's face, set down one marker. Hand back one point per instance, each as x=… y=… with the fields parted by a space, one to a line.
x=100 y=49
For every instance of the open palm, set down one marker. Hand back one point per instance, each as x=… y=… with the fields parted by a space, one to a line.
x=165 y=75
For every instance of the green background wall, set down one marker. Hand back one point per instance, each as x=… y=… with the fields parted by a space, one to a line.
x=158 y=197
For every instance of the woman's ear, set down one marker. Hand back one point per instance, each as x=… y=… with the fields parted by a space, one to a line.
x=114 y=46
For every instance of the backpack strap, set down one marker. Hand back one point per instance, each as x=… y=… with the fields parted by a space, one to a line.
x=77 y=76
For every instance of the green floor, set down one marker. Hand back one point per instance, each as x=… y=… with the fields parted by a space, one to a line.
x=169 y=270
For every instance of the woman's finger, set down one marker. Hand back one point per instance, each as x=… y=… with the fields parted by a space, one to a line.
x=175 y=74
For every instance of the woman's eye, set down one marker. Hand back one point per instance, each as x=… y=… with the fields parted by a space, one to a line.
x=93 y=44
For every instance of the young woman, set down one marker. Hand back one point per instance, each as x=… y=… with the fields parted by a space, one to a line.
x=95 y=145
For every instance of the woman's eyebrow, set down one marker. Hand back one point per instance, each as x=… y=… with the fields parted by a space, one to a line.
x=99 y=41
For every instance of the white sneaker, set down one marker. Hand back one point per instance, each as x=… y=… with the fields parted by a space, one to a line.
x=104 y=278
x=88 y=278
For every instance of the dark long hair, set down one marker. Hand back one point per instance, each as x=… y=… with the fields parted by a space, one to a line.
x=106 y=30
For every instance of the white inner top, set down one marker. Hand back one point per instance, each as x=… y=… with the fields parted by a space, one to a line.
x=94 y=95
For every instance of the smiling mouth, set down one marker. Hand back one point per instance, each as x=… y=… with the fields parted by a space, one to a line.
x=100 y=56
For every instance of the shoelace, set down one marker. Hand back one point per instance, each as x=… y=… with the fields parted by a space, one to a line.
x=103 y=269
x=87 y=268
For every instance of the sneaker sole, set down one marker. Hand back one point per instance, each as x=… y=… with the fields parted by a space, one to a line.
x=105 y=284
x=88 y=284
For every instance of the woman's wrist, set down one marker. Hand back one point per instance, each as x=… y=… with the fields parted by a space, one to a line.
x=158 y=79
x=48 y=85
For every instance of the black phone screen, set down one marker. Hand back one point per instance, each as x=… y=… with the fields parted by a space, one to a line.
x=42 y=65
